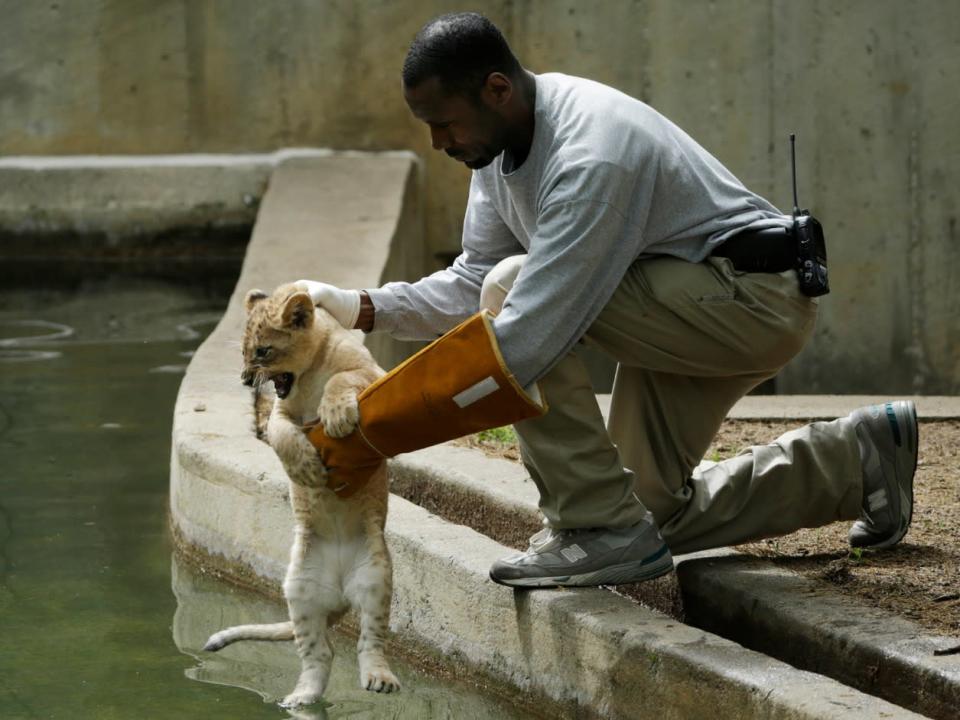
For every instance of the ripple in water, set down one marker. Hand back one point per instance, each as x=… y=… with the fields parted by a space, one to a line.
x=189 y=331
x=169 y=369
x=26 y=355
x=58 y=332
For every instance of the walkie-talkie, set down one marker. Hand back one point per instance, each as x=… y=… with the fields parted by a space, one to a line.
x=810 y=244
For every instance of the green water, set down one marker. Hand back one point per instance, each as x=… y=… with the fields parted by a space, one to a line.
x=96 y=620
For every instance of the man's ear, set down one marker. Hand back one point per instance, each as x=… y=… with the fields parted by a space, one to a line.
x=497 y=89
x=297 y=311
x=253 y=297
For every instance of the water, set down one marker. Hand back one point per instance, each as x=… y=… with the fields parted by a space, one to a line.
x=96 y=619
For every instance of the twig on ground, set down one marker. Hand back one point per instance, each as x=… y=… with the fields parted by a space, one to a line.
x=955 y=650
x=948 y=596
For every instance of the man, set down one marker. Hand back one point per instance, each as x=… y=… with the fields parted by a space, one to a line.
x=593 y=219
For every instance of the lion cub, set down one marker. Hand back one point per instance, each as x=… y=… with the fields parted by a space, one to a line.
x=339 y=557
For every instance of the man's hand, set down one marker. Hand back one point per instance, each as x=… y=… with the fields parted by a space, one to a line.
x=344 y=305
x=499 y=281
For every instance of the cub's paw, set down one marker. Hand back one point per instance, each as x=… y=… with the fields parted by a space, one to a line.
x=290 y=445
x=379 y=679
x=299 y=698
x=339 y=416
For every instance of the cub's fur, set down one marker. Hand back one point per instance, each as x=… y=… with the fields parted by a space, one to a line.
x=339 y=557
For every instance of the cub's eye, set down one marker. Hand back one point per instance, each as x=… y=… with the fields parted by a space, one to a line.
x=261 y=353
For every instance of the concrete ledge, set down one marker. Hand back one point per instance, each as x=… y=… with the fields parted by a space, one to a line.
x=588 y=649
x=125 y=199
x=339 y=218
x=776 y=611
x=745 y=599
x=90 y=206
x=586 y=652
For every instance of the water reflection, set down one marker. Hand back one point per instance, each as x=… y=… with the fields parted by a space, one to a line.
x=269 y=669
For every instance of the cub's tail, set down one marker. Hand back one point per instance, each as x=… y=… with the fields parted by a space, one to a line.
x=275 y=631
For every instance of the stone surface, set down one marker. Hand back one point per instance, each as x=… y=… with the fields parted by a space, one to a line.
x=745 y=599
x=173 y=205
x=773 y=610
x=586 y=649
x=119 y=199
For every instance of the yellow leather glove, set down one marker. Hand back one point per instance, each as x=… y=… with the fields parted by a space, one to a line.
x=455 y=386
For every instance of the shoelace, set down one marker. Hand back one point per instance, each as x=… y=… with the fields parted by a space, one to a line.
x=550 y=533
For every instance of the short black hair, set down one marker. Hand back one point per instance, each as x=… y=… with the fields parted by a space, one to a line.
x=461 y=50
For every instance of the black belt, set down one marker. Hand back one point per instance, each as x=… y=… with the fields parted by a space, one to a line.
x=771 y=250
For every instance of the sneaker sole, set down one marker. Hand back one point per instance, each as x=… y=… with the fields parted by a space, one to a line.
x=905 y=413
x=614 y=575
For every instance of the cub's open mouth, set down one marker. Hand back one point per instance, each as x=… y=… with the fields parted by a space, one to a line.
x=283 y=383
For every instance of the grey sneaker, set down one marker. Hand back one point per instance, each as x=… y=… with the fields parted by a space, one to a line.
x=888 y=450
x=594 y=556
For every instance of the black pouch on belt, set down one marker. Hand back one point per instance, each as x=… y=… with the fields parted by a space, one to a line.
x=771 y=250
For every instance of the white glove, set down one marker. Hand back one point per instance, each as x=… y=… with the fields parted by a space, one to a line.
x=344 y=305
x=499 y=281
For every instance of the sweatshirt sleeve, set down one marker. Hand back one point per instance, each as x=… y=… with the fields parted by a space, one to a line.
x=426 y=309
x=578 y=255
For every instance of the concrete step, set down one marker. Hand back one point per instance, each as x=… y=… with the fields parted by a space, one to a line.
x=786 y=615
x=587 y=649
x=744 y=599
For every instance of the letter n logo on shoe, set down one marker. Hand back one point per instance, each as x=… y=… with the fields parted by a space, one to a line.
x=877 y=500
x=573 y=553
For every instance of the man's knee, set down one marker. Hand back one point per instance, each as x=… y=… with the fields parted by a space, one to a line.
x=499 y=281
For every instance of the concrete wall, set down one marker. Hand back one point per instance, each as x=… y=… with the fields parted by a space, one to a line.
x=868 y=85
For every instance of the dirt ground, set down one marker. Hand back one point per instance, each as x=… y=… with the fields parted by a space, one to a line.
x=918 y=579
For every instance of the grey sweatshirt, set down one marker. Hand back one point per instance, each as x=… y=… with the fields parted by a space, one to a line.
x=608 y=180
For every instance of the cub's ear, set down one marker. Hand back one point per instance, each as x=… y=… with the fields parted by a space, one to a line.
x=253 y=297
x=297 y=311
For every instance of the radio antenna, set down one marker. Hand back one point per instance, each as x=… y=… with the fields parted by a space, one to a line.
x=793 y=170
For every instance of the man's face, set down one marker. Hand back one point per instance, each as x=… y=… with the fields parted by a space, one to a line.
x=470 y=131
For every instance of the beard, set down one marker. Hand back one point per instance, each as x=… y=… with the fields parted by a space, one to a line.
x=480 y=162
x=492 y=141
x=483 y=157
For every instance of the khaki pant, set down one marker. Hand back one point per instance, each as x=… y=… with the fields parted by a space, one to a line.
x=690 y=340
